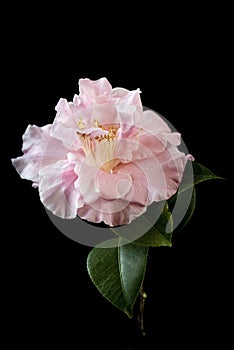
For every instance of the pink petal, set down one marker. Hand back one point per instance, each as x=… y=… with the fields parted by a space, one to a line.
x=112 y=206
x=39 y=150
x=83 y=122
x=67 y=136
x=124 y=96
x=68 y=133
x=86 y=182
x=91 y=89
x=113 y=186
x=129 y=116
x=125 y=149
x=109 y=217
x=139 y=182
x=153 y=123
x=173 y=163
x=163 y=173
x=123 y=195
x=57 y=189
x=105 y=114
x=174 y=138
x=97 y=103
x=155 y=143
x=65 y=110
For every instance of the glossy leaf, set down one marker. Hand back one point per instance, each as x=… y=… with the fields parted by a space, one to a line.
x=189 y=212
x=118 y=272
x=200 y=174
x=157 y=235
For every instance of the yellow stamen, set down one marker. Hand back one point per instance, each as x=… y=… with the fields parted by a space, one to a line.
x=100 y=150
x=81 y=124
x=96 y=123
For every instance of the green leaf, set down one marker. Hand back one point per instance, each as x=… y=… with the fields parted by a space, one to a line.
x=189 y=212
x=157 y=235
x=198 y=173
x=201 y=173
x=147 y=230
x=118 y=272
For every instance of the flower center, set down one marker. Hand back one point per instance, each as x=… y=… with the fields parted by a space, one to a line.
x=99 y=150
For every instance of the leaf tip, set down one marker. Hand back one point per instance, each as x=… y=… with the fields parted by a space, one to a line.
x=129 y=313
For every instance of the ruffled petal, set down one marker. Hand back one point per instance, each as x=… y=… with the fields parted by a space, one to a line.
x=57 y=189
x=100 y=91
x=114 y=185
x=90 y=90
x=163 y=173
x=155 y=143
x=126 y=149
x=129 y=116
x=66 y=110
x=97 y=104
x=139 y=182
x=112 y=177
x=105 y=115
x=86 y=182
x=153 y=123
x=124 y=96
x=110 y=217
x=39 y=149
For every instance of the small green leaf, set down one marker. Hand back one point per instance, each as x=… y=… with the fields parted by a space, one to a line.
x=198 y=173
x=201 y=173
x=118 y=272
x=157 y=235
x=189 y=212
x=147 y=230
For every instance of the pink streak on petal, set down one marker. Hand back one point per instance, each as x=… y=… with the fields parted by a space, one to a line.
x=57 y=190
x=156 y=144
x=87 y=182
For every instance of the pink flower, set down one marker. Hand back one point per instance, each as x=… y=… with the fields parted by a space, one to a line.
x=103 y=158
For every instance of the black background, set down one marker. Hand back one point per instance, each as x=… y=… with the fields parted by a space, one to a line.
x=181 y=65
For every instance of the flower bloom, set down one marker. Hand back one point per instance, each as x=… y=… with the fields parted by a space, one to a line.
x=103 y=158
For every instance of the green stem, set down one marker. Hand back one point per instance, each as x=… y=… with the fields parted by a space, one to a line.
x=140 y=318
